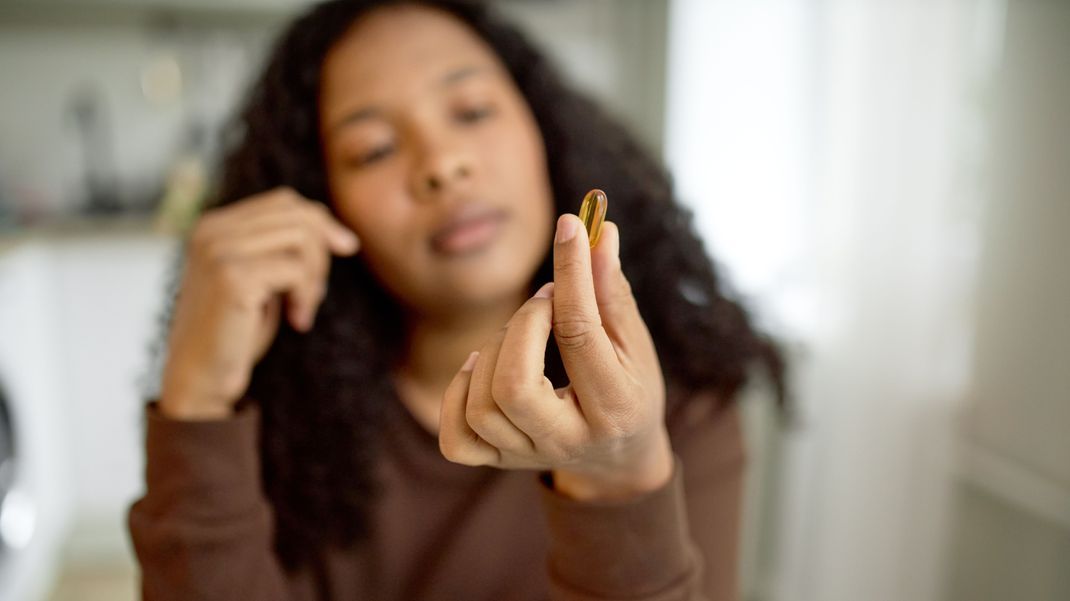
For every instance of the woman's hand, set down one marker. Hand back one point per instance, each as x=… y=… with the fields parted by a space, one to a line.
x=243 y=260
x=604 y=434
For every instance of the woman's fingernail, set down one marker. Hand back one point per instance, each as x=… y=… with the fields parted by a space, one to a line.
x=546 y=291
x=566 y=228
x=470 y=362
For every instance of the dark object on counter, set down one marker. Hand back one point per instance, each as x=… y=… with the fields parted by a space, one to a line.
x=98 y=159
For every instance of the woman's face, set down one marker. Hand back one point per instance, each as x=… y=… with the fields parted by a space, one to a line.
x=435 y=160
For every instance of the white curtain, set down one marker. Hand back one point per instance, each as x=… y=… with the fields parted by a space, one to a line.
x=831 y=153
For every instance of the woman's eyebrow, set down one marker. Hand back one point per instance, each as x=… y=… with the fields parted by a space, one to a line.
x=356 y=116
x=370 y=112
x=462 y=73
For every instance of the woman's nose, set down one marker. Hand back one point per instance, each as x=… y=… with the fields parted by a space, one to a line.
x=441 y=171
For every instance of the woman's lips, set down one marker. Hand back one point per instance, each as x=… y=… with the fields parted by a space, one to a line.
x=469 y=235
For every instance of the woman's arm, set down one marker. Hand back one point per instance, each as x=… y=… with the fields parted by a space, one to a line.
x=203 y=529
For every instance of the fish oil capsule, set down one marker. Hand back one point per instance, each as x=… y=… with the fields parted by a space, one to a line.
x=593 y=213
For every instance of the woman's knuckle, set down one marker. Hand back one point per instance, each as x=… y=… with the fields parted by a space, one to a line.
x=620 y=300
x=556 y=451
x=510 y=390
x=230 y=277
x=573 y=310
x=310 y=244
x=476 y=416
x=560 y=454
x=569 y=264
x=573 y=334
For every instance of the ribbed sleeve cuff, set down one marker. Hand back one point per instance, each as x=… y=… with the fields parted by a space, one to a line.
x=207 y=469
x=619 y=548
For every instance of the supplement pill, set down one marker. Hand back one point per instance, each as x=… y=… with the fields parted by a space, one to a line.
x=593 y=213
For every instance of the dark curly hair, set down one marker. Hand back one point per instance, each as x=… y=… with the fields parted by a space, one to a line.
x=323 y=394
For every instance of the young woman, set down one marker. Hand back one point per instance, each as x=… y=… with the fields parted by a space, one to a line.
x=394 y=372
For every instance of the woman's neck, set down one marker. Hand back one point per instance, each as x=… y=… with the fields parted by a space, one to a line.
x=436 y=348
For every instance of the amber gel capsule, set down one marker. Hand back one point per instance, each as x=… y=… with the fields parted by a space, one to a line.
x=593 y=213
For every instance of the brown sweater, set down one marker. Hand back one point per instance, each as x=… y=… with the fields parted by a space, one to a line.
x=444 y=531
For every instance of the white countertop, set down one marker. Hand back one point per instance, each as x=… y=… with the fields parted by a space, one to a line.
x=80 y=228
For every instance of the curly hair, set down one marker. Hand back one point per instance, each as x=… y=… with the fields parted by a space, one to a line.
x=323 y=395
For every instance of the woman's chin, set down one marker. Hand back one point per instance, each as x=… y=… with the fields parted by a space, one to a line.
x=472 y=298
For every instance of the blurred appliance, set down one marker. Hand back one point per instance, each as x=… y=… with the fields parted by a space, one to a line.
x=17 y=510
x=34 y=490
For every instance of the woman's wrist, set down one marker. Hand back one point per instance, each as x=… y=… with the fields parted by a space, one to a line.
x=179 y=400
x=652 y=471
x=172 y=408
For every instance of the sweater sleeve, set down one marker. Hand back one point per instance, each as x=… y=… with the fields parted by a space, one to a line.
x=676 y=543
x=203 y=529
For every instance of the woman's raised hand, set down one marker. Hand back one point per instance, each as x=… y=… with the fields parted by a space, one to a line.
x=604 y=434
x=245 y=262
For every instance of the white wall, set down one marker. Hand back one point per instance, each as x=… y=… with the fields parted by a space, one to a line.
x=834 y=154
x=1012 y=536
x=1021 y=394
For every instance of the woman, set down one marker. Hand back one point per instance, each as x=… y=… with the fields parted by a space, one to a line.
x=324 y=428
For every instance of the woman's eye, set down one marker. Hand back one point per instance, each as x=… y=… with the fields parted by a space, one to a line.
x=474 y=114
x=373 y=155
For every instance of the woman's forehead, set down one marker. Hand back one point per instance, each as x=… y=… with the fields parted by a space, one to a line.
x=397 y=52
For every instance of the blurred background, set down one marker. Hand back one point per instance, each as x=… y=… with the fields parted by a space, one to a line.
x=887 y=182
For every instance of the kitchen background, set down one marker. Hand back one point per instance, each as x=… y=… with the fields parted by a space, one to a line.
x=885 y=181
